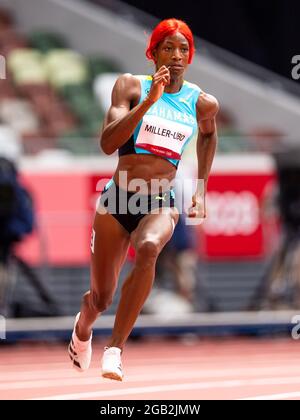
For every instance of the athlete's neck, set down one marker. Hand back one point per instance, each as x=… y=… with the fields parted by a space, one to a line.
x=174 y=86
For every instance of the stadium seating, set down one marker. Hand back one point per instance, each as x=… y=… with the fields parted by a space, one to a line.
x=48 y=96
x=54 y=97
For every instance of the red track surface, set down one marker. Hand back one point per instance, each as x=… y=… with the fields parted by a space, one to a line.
x=158 y=370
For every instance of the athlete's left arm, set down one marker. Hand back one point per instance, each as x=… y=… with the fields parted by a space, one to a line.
x=207 y=109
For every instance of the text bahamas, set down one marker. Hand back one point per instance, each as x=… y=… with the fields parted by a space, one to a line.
x=172 y=115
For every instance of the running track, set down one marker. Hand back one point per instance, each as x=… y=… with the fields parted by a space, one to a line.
x=158 y=370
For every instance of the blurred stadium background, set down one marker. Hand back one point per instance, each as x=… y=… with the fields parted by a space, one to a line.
x=62 y=58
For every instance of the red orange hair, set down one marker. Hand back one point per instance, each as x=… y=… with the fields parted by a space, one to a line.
x=166 y=28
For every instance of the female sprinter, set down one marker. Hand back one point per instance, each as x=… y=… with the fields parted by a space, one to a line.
x=150 y=122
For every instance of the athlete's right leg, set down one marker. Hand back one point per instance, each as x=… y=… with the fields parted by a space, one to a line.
x=109 y=249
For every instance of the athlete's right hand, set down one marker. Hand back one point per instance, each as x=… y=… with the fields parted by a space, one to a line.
x=160 y=79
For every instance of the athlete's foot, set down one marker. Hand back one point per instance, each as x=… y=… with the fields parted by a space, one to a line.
x=80 y=352
x=111 y=364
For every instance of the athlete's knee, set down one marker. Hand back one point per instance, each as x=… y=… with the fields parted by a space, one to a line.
x=148 y=249
x=100 y=301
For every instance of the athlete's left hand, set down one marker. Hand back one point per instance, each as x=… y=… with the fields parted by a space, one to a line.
x=198 y=208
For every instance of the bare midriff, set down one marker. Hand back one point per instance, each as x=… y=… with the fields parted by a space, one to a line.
x=146 y=168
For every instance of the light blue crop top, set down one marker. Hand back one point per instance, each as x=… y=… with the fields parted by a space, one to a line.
x=168 y=126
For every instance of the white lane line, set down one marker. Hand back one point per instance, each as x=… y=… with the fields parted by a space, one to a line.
x=70 y=378
x=178 y=387
x=17 y=370
x=284 y=396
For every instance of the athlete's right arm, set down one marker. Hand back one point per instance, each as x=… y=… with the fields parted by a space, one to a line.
x=120 y=122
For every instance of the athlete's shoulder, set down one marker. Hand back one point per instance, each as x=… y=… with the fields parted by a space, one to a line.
x=126 y=86
x=207 y=104
x=126 y=79
x=129 y=79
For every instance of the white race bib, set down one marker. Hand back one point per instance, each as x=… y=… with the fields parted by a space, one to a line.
x=162 y=137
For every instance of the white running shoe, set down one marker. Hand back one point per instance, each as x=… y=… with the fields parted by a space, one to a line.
x=80 y=352
x=111 y=364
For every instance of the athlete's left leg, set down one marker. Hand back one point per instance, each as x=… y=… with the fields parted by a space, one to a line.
x=148 y=239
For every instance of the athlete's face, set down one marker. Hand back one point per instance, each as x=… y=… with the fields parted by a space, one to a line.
x=173 y=52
